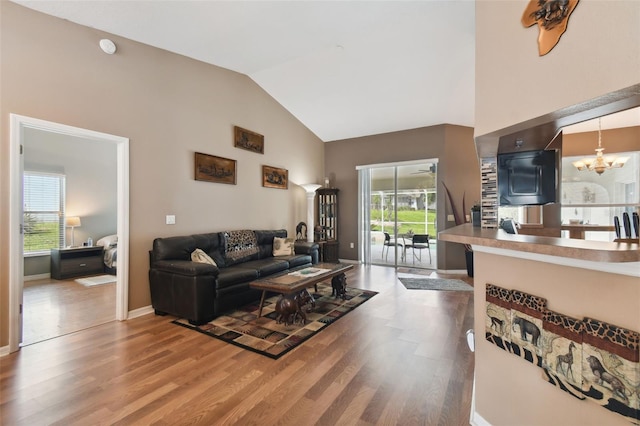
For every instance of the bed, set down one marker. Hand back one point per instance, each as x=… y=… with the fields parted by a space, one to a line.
x=110 y=246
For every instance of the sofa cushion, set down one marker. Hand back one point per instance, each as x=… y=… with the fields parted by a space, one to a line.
x=185 y=267
x=176 y=248
x=235 y=275
x=211 y=244
x=297 y=260
x=266 y=266
x=265 y=241
x=283 y=246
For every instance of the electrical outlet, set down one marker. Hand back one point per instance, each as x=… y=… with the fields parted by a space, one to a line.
x=351 y=245
x=450 y=218
x=468 y=218
x=171 y=219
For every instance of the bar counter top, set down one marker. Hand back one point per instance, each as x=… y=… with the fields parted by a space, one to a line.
x=595 y=251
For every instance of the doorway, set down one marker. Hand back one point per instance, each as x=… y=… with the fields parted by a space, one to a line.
x=20 y=125
x=398 y=205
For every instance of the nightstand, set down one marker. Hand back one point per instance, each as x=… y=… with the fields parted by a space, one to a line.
x=76 y=262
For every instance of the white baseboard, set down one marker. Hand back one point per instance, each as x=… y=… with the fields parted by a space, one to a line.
x=452 y=271
x=477 y=420
x=36 y=277
x=4 y=351
x=354 y=262
x=140 y=312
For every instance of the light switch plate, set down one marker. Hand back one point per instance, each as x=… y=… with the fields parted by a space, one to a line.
x=171 y=219
x=450 y=218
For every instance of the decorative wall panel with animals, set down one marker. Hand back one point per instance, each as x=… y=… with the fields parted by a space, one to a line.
x=498 y=318
x=587 y=358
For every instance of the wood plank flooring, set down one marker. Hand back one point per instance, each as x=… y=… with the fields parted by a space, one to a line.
x=52 y=308
x=400 y=358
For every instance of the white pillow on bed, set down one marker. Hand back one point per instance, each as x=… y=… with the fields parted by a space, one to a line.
x=108 y=241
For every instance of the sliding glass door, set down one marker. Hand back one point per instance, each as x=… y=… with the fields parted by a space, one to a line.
x=397 y=214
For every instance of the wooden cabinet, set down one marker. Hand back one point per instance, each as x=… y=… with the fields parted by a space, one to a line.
x=76 y=262
x=327 y=229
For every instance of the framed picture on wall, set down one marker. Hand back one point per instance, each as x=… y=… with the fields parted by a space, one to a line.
x=274 y=177
x=246 y=139
x=211 y=168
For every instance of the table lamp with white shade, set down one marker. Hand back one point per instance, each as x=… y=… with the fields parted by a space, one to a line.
x=72 y=222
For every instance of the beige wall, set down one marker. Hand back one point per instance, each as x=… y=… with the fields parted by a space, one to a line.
x=458 y=167
x=514 y=84
x=170 y=107
x=599 y=53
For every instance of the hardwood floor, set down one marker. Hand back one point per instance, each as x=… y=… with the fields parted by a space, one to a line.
x=400 y=358
x=52 y=308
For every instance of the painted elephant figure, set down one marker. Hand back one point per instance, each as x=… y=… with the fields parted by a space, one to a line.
x=527 y=327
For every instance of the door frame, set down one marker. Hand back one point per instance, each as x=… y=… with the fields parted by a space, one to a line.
x=364 y=231
x=16 y=261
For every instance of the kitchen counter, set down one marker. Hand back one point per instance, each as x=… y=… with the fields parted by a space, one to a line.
x=578 y=278
x=581 y=250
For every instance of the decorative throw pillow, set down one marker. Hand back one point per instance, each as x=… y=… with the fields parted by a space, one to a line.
x=201 y=257
x=283 y=246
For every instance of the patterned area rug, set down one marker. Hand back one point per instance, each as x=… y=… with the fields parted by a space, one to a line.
x=435 y=284
x=265 y=336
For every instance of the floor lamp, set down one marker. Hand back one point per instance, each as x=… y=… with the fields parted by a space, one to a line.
x=311 y=195
x=72 y=222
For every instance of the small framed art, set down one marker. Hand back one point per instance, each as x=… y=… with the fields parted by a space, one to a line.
x=211 y=168
x=246 y=139
x=274 y=177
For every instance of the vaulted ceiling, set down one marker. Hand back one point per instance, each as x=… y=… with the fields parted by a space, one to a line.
x=343 y=68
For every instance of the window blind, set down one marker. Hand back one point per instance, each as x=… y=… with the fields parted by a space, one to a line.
x=43 y=222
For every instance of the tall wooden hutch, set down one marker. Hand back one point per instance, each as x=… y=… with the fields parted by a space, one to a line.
x=327 y=229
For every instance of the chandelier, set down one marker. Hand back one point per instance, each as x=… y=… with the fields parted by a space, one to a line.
x=600 y=163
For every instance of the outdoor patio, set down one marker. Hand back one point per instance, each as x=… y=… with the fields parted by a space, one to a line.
x=407 y=256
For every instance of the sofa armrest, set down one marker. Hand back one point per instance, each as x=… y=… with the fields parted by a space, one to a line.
x=312 y=249
x=186 y=267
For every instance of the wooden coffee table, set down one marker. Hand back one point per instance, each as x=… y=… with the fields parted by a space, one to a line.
x=294 y=281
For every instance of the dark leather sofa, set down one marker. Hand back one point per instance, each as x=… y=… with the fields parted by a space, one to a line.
x=200 y=292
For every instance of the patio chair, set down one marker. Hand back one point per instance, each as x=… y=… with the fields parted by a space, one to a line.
x=388 y=242
x=420 y=242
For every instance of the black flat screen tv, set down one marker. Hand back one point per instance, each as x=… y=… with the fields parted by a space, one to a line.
x=528 y=178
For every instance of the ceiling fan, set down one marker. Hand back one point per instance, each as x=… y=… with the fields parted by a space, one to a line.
x=431 y=169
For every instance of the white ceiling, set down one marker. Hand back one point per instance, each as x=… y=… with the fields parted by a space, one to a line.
x=343 y=68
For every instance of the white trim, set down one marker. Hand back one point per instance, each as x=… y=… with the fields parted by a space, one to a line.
x=4 y=351
x=36 y=277
x=398 y=163
x=141 y=311
x=477 y=420
x=17 y=125
x=451 y=271
x=631 y=269
x=351 y=261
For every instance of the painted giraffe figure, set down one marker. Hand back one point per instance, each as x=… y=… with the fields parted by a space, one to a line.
x=566 y=359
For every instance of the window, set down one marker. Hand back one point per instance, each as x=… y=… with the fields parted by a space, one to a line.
x=43 y=212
